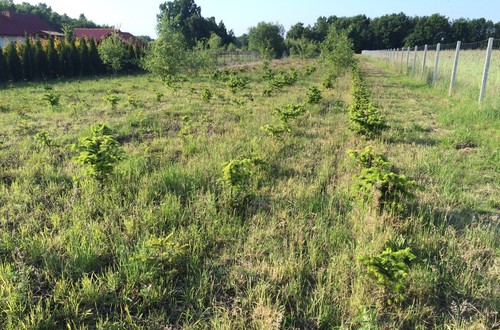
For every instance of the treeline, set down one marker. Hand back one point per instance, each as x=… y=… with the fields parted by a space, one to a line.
x=57 y=21
x=36 y=59
x=398 y=30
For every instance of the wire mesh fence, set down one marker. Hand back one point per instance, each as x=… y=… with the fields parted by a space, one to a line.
x=456 y=68
x=236 y=57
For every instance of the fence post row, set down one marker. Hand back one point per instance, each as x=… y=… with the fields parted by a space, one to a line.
x=454 y=70
x=392 y=55
x=486 y=68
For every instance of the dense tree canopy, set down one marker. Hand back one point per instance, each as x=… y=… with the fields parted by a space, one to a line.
x=184 y=16
x=268 y=39
x=397 y=30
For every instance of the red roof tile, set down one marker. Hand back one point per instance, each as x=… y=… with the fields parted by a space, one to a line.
x=14 y=24
x=99 y=34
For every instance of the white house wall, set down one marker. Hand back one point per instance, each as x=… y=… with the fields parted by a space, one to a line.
x=7 y=39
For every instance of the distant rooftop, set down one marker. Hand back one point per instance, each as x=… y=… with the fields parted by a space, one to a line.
x=14 y=24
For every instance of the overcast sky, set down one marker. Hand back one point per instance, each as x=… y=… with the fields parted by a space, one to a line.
x=139 y=17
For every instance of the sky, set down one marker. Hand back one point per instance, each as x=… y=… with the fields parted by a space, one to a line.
x=139 y=17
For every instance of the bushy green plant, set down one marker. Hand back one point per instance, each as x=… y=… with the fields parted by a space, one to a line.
x=98 y=152
x=159 y=96
x=368 y=158
x=386 y=189
x=278 y=81
x=314 y=95
x=275 y=131
x=234 y=83
x=160 y=256
x=206 y=94
x=112 y=99
x=134 y=100
x=390 y=269
x=289 y=111
x=51 y=98
x=378 y=184
x=236 y=173
x=43 y=138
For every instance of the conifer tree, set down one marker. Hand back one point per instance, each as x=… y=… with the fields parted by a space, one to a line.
x=41 y=63
x=27 y=59
x=15 y=71
x=64 y=59
x=96 y=65
x=84 y=57
x=52 y=59
x=74 y=59
x=3 y=67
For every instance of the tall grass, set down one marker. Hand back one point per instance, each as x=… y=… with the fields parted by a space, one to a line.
x=165 y=242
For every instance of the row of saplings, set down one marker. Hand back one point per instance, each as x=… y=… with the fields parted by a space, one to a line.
x=380 y=186
x=377 y=183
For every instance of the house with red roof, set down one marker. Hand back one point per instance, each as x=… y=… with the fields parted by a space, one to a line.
x=100 y=34
x=14 y=27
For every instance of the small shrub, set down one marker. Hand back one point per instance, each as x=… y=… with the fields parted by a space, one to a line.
x=236 y=173
x=51 y=98
x=386 y=189
x=235 y=83
x=159 y=96
x=99 y=152
x=289 y=111
x=368 y=158
x=112 y=99
x=366 y=120
x=160 y=256
x=134 y=101
x=275 y=131
x=43 y=138
x=314 y=95
x=378 y=184
x=206 y=94
x=390 y=269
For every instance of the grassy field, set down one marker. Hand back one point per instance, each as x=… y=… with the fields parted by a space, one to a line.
x=168 y=240
x=469 y=73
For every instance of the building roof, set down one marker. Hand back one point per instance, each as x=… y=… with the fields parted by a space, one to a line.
x=100 y=34
x=15 y=24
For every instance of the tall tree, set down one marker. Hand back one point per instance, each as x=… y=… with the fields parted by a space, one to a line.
x=430 y=30
x=52 y=59
x=27 y=59
x=184 y=16
x=96 y=65
x=84 y=57
x=14 y=62
x=41 y=65
x=113 y=52
x=390 y=31
x=3 y=67
x=268 y=39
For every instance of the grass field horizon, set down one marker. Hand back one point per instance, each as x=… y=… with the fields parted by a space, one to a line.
x=221 y=216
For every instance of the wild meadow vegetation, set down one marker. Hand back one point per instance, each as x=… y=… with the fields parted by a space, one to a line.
x=325 y=193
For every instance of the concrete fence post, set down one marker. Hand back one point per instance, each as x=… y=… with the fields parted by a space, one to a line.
x=415 y=60
x=436 y=64
x=454 y=70
x=424 y=60
x=486 y=69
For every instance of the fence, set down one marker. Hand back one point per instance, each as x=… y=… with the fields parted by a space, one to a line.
x=235 y=57
x=469 y=70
